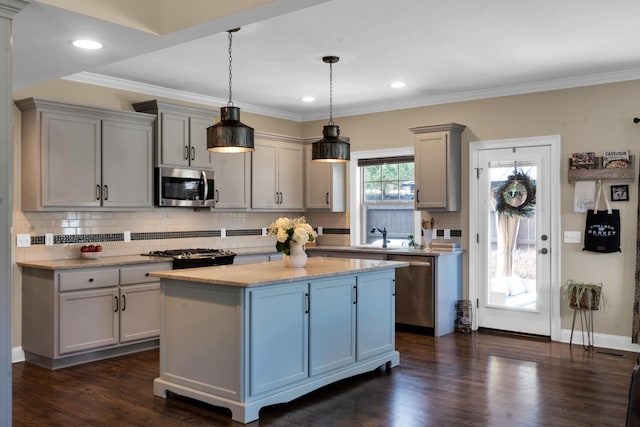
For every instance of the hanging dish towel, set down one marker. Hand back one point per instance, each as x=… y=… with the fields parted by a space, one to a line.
x=583 y=196
x=602 y=231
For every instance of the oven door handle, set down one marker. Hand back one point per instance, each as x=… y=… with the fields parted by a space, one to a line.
x=206 y=187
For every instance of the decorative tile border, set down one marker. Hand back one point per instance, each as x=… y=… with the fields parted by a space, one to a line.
x=160 y=235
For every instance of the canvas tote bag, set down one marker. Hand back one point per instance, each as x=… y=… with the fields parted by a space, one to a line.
x=602 y=231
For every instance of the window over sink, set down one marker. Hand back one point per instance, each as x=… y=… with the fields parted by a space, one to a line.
x=382 y=185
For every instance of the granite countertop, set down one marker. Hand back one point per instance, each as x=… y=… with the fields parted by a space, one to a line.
x=107 y=261
x=387 y=251
x=274 y=272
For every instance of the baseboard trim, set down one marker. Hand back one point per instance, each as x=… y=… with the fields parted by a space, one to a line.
x=17 y=354
x=613 y=342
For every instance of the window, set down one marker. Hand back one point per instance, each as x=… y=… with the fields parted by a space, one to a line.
x=386 y=199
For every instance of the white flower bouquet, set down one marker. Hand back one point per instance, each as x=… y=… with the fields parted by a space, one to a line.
x=289 y=231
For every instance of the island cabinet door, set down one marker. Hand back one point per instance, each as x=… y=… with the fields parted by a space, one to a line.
x=375 y=314
x=279 y=337
x=332 y=321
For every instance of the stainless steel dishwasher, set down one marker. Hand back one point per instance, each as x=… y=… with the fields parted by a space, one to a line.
x=414 y=291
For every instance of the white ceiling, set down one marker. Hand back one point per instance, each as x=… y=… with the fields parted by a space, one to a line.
x=444 y=50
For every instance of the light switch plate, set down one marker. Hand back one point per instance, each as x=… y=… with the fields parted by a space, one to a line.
x=223 y=232
x=23 y=240
x=127 y=236
x=572 y=237
x=447 y=234
x=48 y=239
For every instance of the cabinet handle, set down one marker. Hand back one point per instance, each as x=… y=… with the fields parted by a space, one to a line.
x=307 y=309
x=116 y=301
x=186 y=152
x=217 y=196
x=146 y=274
x=326 y=198
x=97 y=192
x=124 y=302
x=193 y=153
x=281 y=198
x=106 y=192
x=355 y=294
x=276 y=197
x=418 y=195
x=91 y=280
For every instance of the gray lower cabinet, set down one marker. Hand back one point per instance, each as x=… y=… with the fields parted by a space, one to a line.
x=78 y=315
x=85 y=158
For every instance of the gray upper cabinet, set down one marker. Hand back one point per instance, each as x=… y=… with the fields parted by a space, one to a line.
x=180 y=134
x=277 y=173
x=233 y=180
x=325 y=185
x=76 y=157
x=437 y=167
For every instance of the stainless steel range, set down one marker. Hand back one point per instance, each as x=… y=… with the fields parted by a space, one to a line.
x=199 y=257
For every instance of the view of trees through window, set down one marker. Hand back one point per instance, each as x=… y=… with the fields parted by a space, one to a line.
x=388 y=182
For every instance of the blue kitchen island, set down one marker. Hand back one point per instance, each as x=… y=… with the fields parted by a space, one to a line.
x=247 y=336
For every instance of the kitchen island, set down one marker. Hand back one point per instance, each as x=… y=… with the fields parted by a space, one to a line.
x=247 y=336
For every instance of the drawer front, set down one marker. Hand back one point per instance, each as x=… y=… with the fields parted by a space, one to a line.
x=87 y=279
x=140 y=273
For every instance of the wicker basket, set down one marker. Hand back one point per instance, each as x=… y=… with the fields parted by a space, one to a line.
x=589 y=300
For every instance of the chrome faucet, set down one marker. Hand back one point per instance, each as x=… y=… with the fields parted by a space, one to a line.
x=384 y=235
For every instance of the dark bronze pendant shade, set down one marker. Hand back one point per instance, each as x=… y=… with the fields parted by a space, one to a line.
x=230 y=135
x=331 y=148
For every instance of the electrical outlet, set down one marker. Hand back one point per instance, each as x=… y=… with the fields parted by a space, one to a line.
x=48 y=239
x=320 y=231
x=23 y=240
x=126 y=236
x=572 y=237
x=223 y=232
x=264 y=231
x=447 y=233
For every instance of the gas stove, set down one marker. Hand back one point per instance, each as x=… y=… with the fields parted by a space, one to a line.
x=198 y=257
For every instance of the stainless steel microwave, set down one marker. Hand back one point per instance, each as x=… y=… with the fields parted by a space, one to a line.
x=184 y=187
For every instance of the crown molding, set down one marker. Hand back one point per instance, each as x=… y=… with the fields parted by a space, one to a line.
x=8 y=8
x=133 y=86
x=368 y=108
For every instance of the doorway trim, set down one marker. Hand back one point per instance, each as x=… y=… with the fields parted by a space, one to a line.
x=553 y=141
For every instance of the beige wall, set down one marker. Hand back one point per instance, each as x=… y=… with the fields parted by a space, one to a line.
x=591 y=118
x=587 y=119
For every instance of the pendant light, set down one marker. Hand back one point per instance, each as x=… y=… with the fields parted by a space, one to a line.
x=230 y=135
x=331 y=148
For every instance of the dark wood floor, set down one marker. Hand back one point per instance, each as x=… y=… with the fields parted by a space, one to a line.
x=481 y=379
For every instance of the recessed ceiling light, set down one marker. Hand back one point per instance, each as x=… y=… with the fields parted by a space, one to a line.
x=307 y=99
x=87 y=44
x=397 y=85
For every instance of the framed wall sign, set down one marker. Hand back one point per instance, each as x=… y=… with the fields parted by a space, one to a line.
x=619 y=193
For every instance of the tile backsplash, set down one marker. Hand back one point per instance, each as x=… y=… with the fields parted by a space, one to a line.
x=157 y=229
x=173 y=228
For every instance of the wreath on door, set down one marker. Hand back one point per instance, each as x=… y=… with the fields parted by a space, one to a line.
x=517 y=196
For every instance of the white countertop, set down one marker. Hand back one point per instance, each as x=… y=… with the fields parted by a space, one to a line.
x=269 y=273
